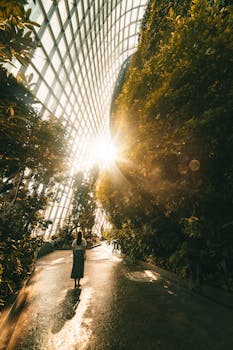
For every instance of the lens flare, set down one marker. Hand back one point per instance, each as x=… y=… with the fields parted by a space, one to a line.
x=103 y=153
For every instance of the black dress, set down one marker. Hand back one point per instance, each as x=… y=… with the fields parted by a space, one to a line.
x=78 y=260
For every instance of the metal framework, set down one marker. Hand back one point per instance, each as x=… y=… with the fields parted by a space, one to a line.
x=83 y=46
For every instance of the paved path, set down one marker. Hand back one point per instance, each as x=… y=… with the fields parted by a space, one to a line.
x=119 y=307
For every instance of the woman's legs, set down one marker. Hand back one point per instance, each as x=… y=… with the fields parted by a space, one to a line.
x=75 y=282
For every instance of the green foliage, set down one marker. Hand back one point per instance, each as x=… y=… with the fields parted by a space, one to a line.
x=26 y=140
x=31 y=156
x=31 y=162
x=107 y=235
x=17 y=260
x=175 y=111
x=84 y=201
x=63 y=238
x=16 y=32
x=83 y=211
x=92 y=239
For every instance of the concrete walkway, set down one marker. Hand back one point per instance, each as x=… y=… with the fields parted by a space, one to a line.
x=119 y=307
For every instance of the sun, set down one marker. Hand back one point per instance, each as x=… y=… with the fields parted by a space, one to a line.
x=104 y=153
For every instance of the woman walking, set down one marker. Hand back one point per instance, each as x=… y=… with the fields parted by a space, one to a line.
x=79 y=255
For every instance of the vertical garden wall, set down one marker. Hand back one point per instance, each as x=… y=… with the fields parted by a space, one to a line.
x=171 y=201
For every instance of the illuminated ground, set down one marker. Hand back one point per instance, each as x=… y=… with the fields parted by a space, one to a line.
x=119 y=307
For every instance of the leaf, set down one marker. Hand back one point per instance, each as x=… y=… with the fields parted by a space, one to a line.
x=32 y=24
x=27 y=35
x=28 y=13
x=20 y=77
x=12 y=111
x=30 y=77
x=29 y=26
x=171 y=12
x=22 y=59
x=11 y=289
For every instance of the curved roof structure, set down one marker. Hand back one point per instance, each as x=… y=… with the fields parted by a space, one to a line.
x=83 y=46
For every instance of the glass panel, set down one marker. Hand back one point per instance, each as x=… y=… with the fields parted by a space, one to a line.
x=47 y=41
x=141 y=12
x=62 y=47
x=51 y=103
x=118 y=11
x=62 y=10
x=49 y=75
x=127 y=18
x=67 y=64
x=36 y=14
x=79 y=11
x=74 y=22
x=68 y=89
x=55 y=24
x=39 y=58
x=132 y=30
x=134 y=15
x=63 y=100
x=82 y=31
x=42 y=92
x=136 y=3
x=56 y=59
x=47 y=4
x=85 y=6
x=92 y=15
x=130 y=4
x=68 y=34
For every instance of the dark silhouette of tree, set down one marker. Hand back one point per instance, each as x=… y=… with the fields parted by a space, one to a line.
x=31 y=155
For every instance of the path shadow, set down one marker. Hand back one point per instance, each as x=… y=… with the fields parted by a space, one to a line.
x=66 y=309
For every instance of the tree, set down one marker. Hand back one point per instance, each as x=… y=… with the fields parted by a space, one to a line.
x=32 y=154
x=32 y=161
x=84 y=201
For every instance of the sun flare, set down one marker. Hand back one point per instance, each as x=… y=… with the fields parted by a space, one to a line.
x=104 y=153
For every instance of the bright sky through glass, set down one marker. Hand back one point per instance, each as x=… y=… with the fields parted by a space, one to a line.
x=83 y=45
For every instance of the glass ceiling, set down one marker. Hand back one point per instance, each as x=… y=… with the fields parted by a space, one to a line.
x=83 y=46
